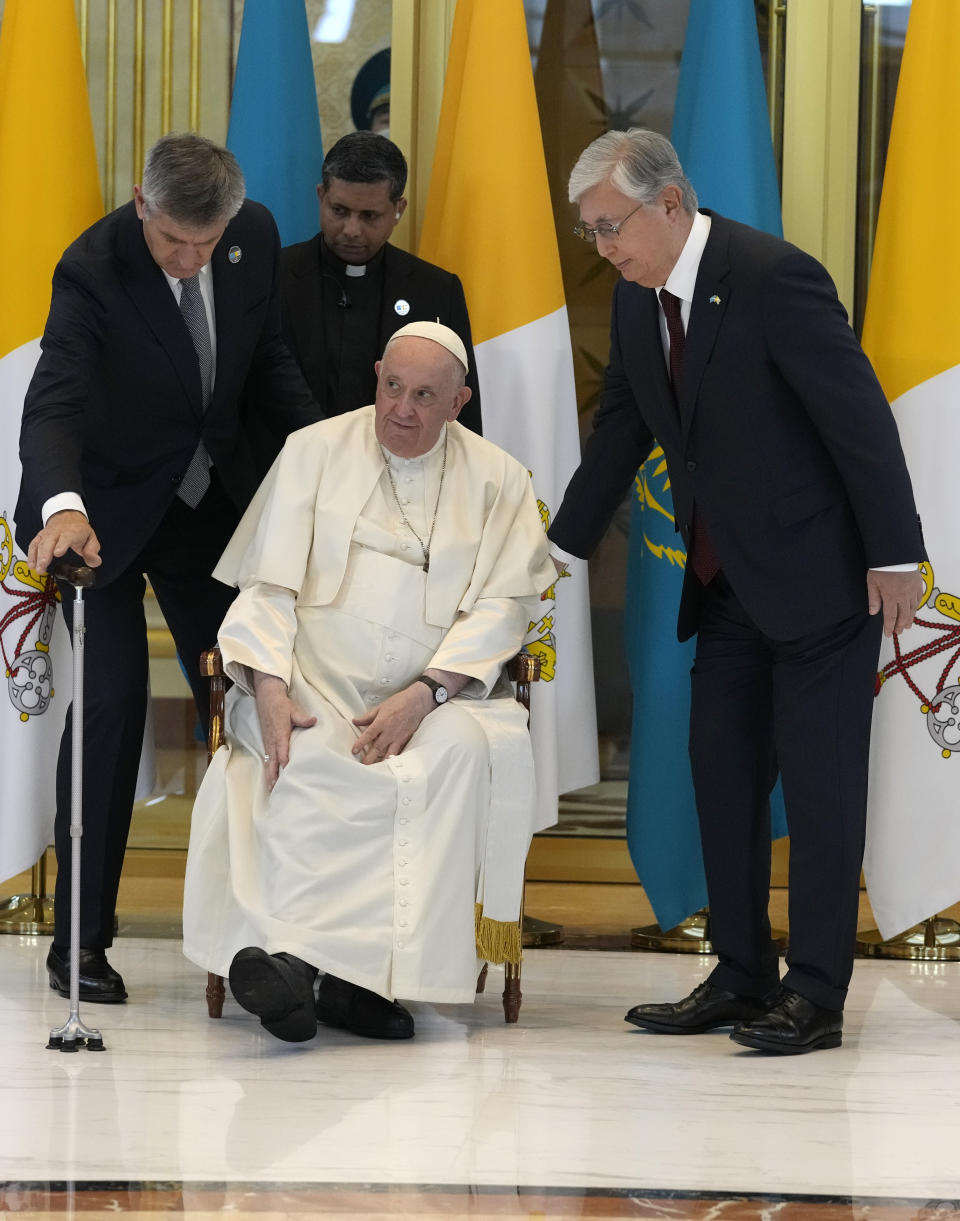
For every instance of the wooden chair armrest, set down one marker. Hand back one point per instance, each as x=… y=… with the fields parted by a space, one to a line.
x=211 y=665
x=523 y=670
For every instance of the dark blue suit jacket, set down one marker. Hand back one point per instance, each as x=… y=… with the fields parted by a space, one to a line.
x=780 y=435
x=114 y=410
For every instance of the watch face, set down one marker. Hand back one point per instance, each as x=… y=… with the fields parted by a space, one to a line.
x=440 y=695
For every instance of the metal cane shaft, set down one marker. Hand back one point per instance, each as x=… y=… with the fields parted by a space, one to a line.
x=73 y=1034
x=76 y=801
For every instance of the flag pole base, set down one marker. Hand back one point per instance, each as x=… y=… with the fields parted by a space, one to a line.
x=32 y=913
x=540 y=932
x=24 y=914
x=690 y=936
x=935 y=939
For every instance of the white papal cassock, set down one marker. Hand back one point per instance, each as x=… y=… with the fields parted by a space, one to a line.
x=393 y=875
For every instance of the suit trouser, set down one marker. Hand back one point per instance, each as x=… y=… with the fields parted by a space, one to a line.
x=802 y=707
x=178 y=560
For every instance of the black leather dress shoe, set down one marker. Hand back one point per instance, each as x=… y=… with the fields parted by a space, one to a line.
x=706 y=1008
x=791 y=1026
x=350 y=1007
x=278 y=989
x=99 y=982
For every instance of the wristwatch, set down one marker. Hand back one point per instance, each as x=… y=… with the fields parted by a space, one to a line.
x=440 y=693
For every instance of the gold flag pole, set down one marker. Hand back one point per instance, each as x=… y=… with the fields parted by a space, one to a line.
x=33 y=912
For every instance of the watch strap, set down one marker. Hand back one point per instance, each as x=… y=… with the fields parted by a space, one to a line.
x=431 y=683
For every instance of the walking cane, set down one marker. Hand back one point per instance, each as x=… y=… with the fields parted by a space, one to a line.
x=73 y=1035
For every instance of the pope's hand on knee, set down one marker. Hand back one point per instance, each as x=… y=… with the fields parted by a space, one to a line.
x=279 y=716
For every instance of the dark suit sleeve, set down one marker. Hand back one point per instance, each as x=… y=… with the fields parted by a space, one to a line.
x=619 y=444
x=276 y=399
x=52 y=427
x=817 y=353
x=459 y=321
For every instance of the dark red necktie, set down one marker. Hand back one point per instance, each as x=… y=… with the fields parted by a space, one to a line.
x=671 y=311
x=702 y=557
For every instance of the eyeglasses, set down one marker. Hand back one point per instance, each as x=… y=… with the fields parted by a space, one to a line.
x=604 y=229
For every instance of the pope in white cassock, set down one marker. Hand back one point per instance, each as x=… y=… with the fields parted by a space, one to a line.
x=370 y=812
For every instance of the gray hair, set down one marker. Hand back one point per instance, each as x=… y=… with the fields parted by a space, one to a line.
x=192 y=180
x=638 y=162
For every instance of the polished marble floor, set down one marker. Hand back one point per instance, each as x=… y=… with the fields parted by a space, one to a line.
x=570 y=1112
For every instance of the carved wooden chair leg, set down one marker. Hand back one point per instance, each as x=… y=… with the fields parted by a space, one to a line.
x=523 y=670
x=211 y=664
x=482 y=978
x=512 y=996
x=215 y=995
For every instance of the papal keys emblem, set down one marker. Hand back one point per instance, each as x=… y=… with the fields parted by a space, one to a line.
x=939 y=703
x=28 y=608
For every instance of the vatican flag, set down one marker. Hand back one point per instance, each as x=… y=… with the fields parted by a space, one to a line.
x=489 y=220
x=49 y=193
x=912 y=335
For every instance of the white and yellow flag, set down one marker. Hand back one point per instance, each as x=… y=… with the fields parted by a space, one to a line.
x=49 y=193
x=912 y=336
x=489 y=220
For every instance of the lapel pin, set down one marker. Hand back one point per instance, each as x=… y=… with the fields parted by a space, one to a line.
x=234 y=254
x=714 y=300
x=401 y=307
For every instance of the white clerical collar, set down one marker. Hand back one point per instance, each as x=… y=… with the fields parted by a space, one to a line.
x=683 y=279
x=396 y=460
x=355 y=269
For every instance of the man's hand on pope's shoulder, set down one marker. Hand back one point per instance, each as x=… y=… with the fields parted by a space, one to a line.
x=68 y=530
x=278 y=716
x=897 y=594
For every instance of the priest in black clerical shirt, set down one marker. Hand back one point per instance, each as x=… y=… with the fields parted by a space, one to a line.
x=347 y=290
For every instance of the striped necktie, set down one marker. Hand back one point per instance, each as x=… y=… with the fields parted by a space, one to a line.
x=196 y=478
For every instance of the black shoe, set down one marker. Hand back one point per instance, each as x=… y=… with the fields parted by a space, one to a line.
x=278 y=989
x=360 y=1011
x=99 y=982
x=791 y=1026
x=704 y=1009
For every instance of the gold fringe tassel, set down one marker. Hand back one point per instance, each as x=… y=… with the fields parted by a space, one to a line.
x=497 y=940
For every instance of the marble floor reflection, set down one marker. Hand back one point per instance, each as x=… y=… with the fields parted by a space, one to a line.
x=570 y=1112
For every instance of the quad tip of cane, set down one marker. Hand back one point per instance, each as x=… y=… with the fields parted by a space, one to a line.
x=93 y=1042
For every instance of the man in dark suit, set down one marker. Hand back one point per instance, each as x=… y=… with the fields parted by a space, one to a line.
x=161 y=347
x=791 y=494
x=347 y=290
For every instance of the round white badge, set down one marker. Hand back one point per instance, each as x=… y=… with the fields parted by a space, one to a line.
x=234 y=254
x=401 y=307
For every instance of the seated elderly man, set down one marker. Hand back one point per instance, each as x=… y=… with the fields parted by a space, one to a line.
x=369 y=815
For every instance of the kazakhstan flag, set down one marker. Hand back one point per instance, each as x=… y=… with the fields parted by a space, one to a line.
x=274 y=128
x=722 y=135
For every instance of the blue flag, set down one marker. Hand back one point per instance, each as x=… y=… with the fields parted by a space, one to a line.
x=722 y=135
x=274 y=122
